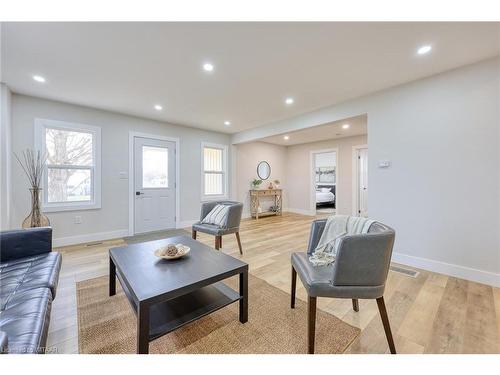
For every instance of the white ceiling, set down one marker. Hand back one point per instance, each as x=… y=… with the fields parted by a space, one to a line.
x=332 y=130
x=129 y=67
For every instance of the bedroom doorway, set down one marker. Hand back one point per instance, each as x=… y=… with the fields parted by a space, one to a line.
x=324 y=170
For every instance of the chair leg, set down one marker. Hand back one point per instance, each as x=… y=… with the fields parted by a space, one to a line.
x=355 y=305
x=385 y=322
x=294 y=287
x=239 y=242
x=217 y=242
x=193 y=234
x=311 y=323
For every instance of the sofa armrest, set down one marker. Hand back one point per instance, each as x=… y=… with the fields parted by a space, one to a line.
x=3 y=343
x=15 y=244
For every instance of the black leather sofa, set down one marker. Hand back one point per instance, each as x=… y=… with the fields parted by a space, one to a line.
x=29 y=272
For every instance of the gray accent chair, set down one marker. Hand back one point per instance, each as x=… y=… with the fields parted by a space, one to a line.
x=359 y=271
x=232 y=224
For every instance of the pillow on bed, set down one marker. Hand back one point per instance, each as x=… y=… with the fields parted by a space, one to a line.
x=325 y=190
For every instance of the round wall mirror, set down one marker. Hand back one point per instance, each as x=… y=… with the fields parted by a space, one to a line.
x=263 y=170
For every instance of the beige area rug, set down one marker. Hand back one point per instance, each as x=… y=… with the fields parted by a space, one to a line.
x=108 y=325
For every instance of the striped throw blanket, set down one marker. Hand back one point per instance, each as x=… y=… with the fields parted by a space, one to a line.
x=337 y=227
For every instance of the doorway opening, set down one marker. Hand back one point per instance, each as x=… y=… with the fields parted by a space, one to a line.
x=325 y=181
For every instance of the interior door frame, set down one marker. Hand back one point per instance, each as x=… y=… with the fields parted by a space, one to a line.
x=355 y=178
x=312 y=180
x=131 y=176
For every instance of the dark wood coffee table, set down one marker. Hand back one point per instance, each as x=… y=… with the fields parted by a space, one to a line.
x=167 y=294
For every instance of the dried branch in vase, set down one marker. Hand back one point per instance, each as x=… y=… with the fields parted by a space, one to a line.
x=33 y=164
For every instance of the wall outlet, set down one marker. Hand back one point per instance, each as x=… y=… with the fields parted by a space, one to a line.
x=78 y=220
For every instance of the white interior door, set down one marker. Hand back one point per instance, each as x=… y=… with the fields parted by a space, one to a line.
x=363 y=182
x=154 y=182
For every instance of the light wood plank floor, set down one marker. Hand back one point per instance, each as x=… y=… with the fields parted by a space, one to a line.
x=431 y=313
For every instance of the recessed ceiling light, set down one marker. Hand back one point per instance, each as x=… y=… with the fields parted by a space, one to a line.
x=286 y=137
x=39 y=78
x=346 y=126
x=424 y=50
x=227 y=123
x=289 y=101
x=208 y=67
x=158 y=107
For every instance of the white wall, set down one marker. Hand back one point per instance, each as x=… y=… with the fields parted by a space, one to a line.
x=5 y=156
x=442 y=191
x=299 y=172
x=112 y=219
x=248 y=156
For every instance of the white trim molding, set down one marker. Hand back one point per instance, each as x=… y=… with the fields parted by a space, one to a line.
x=186 y=224
x=467 y=273
x=131 y=189
x=355 y=178
x=95 y=169
x=91 y=237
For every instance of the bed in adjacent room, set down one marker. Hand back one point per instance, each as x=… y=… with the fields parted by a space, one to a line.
x=325 y=195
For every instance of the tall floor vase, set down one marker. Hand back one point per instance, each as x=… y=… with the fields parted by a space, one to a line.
x=35 y=218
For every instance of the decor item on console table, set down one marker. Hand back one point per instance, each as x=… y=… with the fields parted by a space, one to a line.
x=255 y=200
x=256 y=183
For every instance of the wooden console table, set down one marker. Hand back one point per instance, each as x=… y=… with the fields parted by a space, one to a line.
x=257 y=195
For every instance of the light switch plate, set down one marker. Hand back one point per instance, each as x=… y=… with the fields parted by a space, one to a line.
x=384 y=164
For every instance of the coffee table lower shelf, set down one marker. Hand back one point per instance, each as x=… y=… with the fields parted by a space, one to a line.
x=165 y=317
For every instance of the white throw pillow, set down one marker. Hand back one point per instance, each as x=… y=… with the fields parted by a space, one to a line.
x=325 y=190
x=218 y=216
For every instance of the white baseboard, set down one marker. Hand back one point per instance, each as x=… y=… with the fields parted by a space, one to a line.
x=91 y=237
x=186 y=224
x=472 y=274
x=247 y=215
x=301 y=211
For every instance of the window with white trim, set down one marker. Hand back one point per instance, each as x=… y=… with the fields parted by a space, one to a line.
x=214 y=171
x=72 y=178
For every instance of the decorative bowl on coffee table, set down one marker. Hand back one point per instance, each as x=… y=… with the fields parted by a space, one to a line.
x=165 y=252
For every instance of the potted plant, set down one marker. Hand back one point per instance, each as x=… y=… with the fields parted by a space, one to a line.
x=256 y=183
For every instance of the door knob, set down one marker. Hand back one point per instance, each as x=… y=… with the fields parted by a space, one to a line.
x=138 y=193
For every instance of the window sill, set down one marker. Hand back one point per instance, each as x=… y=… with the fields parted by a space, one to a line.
x=70 y=207
x=211 y=198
